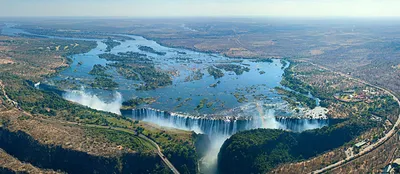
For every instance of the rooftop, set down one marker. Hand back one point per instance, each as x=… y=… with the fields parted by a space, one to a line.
x=360 y=144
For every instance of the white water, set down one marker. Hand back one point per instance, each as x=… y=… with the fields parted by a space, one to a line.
x=94 y=102
x=37 y=85
x=220 y=130
x=217 y=130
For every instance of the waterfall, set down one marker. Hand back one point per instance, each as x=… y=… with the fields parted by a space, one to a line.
x=299 y=125
x=219 y=130
x=197 y=124
x=225 y=127
x=92 y=101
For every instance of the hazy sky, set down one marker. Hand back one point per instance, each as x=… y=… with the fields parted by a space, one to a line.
x=167 y=8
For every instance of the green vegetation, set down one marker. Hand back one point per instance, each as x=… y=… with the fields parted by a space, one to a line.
x=125 y=57
x=134 y=103
x=215 y=84
x=196 y=75
x=125 y=71
x=111 y=44
x=260 y=150
x=210 y=104
x=284 y=63
x=38 y=58
x=289 y=80
x=233 y=68
x=20 y=144
x=177 y=145
x=35 y=59
x=182 y=103
x=201 y=104
x=138 y=68
x=240 y=97
x=216 y=73
x=99 y=70
x=104 y=83
x=153 y=78
x=304 y=100
x=151 y=50
x=268 y=60
x=304 y=78
x=259 y=97
x=124 y=139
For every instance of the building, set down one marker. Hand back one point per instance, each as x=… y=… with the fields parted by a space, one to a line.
x=360 y=144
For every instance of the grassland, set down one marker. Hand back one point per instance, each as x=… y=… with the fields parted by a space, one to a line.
x=364 y=49
x=52 y=121
x=37 y=58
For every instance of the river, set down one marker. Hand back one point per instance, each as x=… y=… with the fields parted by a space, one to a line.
x=224 y=115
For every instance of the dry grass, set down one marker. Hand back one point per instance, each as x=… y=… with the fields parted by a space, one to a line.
x=374 y=161
x=338 y=154
x=35 y=58
x=9 y=162
x=53 y=132
x=316 y=52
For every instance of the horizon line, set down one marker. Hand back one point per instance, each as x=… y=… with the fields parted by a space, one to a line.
x=221 y=16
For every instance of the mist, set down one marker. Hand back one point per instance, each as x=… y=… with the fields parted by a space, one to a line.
x=217 y=130
x=94 y=102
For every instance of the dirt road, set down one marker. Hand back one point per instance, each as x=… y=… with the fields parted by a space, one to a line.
x=371 y=147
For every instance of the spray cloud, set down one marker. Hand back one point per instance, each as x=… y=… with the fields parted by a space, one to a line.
x=94 y=102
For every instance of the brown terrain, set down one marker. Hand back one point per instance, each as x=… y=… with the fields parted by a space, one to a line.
x=363 y=50
x=28 y=59
x=368 y=50
x=9 y=162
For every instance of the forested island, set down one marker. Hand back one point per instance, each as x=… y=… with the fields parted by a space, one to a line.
x=151 y=50
x=137 y=66
x=110 y=44
x=99 y=70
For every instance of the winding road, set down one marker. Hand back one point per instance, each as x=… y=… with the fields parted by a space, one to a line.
x=158 y=149
x=371 y=147
x=162 y=156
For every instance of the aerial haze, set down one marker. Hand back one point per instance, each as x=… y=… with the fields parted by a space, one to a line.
x=184 y=8
x=199 y=86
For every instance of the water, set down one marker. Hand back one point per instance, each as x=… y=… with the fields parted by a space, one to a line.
x=227 y=126
x=225 y=117
x=169 y=98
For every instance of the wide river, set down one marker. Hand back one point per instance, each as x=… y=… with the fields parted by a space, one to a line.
x=248 y=96
x=222 y=115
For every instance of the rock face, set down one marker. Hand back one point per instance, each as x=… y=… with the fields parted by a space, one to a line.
x=219 y=126
x=299 y=124
x=260 y=150
x=25 y=148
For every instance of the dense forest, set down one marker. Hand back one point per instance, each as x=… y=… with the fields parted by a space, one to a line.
x=136 y=66
x=260 y=150
x=110 y=44
x=179 y=150
x=27 y=149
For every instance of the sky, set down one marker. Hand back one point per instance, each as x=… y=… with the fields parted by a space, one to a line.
x=182 y=8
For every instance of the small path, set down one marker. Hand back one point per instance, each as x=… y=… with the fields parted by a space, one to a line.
x=162 y=156
x=159 y=152
x=371 y=147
